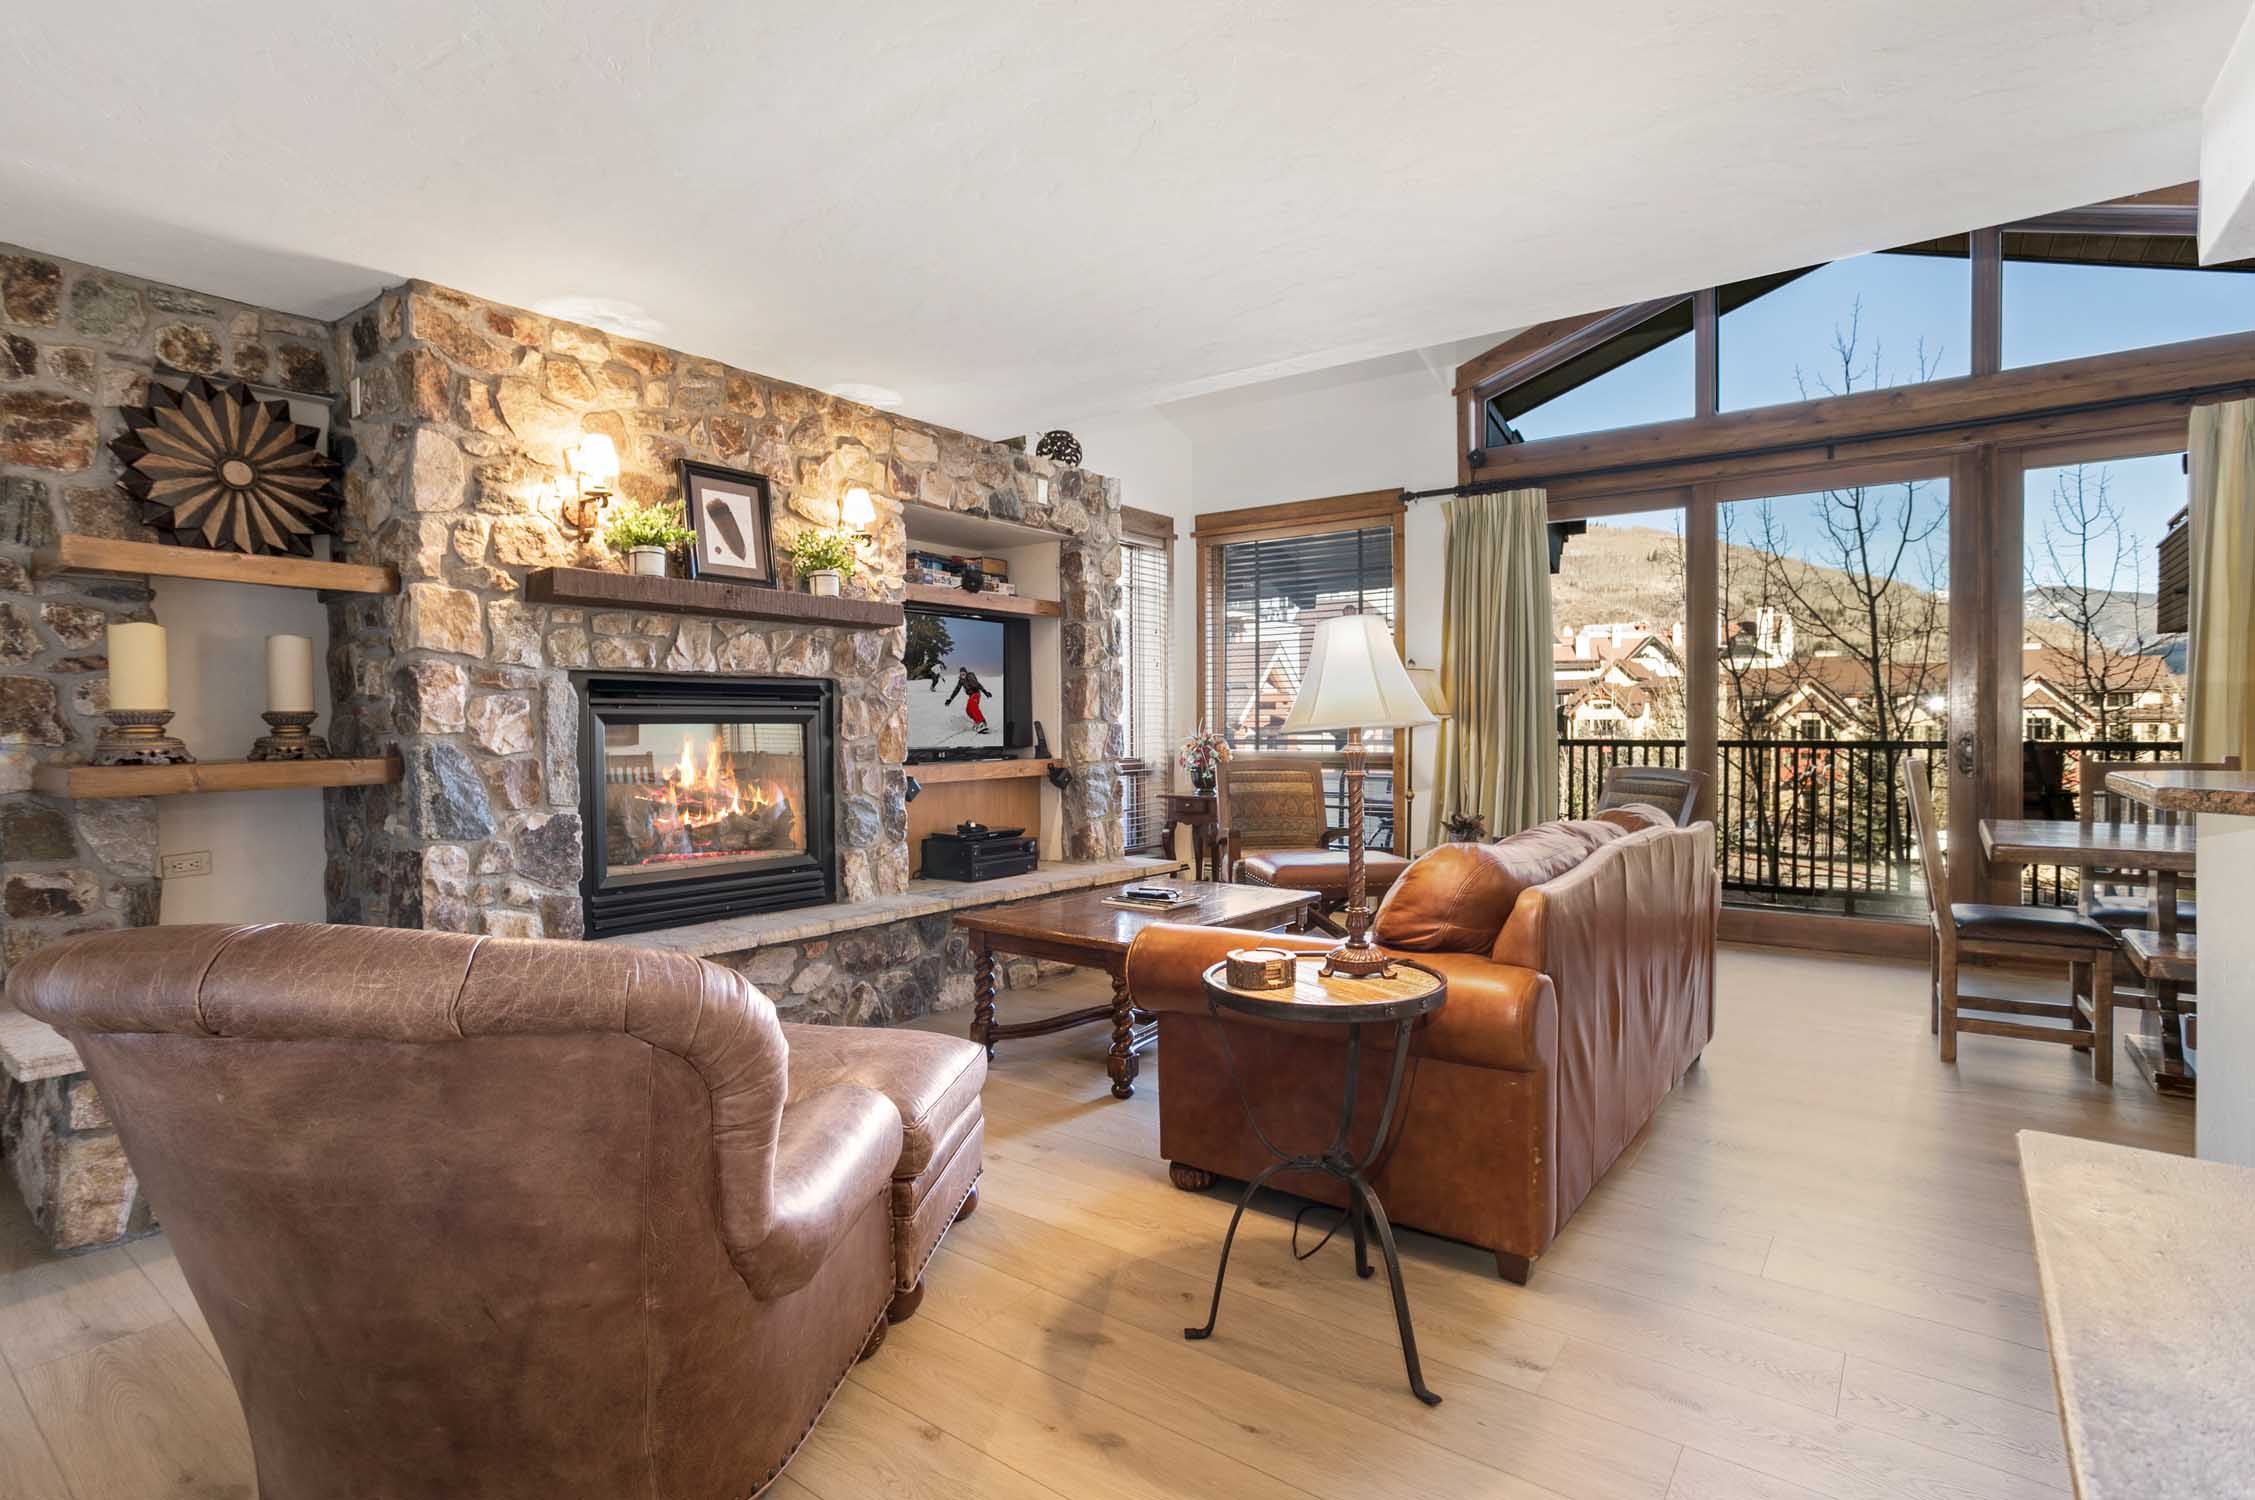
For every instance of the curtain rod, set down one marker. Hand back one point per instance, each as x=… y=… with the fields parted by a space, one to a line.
x=1829 y=448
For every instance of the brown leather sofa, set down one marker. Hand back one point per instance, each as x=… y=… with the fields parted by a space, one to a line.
x=478 y=1216
x=1581 y=966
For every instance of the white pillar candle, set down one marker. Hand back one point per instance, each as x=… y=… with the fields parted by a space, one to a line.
x=137 y=677
x=289 y=674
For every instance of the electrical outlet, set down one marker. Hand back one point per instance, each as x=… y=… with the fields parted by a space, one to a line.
x=178 y=866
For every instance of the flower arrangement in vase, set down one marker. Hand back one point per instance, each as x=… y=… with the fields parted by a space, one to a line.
x=645 y=533
x=1202 y=755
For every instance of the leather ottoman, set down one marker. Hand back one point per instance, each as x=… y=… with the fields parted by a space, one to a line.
x=934 y=1082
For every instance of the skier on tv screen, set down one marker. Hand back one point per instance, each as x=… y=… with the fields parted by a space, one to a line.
x=967 y=683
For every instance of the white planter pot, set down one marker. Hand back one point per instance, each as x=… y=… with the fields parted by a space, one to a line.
x=647 y=562
x=823 y=583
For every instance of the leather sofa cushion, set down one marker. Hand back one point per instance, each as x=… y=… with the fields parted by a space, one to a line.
x=1323 y=871
x=2030 y=924
x=1456 y=898
x=933 y=1080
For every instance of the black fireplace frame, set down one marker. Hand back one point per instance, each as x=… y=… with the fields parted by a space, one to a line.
x=653 y=899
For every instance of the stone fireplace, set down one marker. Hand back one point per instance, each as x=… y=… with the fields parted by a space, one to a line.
x=703 y=797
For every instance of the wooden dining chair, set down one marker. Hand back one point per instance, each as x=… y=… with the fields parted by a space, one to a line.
x=2121 y=899
x=1968 y=932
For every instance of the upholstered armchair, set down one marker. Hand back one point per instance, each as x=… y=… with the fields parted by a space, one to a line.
x=1274 y=831
x=497 y=1217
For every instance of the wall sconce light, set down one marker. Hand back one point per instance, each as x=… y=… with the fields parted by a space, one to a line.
x=595 y=478
x=857 y=512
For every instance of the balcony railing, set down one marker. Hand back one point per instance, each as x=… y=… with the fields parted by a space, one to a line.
x=1820 y=825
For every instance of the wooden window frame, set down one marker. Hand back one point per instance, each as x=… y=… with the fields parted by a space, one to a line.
x=1365 y=510
x=1983 y=430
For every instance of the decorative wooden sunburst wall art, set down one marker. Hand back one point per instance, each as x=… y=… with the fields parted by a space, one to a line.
x=218 y=467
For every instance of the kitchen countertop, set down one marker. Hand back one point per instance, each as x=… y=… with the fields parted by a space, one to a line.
x=2167 y=790
x=2147 y=1265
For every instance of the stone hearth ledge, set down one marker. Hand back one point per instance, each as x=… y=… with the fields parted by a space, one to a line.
x=923 y=898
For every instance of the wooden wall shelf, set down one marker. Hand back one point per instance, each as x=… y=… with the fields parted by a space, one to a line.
x=998 y=605
x=101 y=554
x=212 y=776
x=596 y=589
x=942 y=772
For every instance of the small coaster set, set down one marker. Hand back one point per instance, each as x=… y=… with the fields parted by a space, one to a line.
x=1259 y=969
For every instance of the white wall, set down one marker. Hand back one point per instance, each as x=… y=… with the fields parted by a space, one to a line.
x=266 y=851
x=1377 y=424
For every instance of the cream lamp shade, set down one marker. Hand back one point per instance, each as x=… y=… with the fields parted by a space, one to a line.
x=1427 y=681
x=1355 y=680
x=596 y=460
x=857 y=510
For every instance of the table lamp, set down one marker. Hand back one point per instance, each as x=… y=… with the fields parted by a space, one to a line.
x=1427 y=681
x=1355 y=681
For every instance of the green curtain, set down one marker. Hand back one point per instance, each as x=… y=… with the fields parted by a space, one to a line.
x=1499 y=750
x=2220 y=717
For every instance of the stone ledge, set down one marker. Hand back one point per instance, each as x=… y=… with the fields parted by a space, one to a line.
x=923 y=898
x=30 y=1049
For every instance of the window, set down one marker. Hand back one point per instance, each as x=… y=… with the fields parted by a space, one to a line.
x=1854 y=325
x=2067 y=296
x=1269 y=581
x=1269 y=597
x=1643 y=375
x=1617 y=616
x=1146 y=649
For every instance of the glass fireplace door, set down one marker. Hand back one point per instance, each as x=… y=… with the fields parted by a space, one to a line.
x=704 y=797
x=683 y=797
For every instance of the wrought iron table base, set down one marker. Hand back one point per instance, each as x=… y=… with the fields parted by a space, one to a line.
x=1362 y=1199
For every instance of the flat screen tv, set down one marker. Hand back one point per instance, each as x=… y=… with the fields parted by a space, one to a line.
x=970 y=686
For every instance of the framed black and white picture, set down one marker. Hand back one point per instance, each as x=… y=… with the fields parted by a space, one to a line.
x=728 y=512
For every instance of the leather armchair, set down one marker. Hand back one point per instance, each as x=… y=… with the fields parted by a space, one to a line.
x=486 y=1216
x=1580 y=962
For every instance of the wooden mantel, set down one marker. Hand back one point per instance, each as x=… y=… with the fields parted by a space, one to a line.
x=595 y=589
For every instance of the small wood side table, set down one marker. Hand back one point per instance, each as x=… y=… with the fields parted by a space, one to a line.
x=1198 y=812
x=1410 y=992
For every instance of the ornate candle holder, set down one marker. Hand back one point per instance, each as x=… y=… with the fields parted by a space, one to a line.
x=292 y=739
x=136 y=737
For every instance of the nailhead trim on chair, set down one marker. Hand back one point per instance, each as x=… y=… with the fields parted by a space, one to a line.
x=966 y=1198
x=775 y=1472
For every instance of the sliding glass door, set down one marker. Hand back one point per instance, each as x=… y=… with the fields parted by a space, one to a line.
x=1834 y=662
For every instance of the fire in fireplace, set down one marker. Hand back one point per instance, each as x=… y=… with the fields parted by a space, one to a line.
x=703 y=797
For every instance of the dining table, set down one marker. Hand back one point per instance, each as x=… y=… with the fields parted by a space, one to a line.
x=2163 y=852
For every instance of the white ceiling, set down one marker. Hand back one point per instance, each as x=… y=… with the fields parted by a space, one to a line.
x=1008 y=210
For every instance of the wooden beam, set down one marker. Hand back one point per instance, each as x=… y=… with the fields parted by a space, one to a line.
x=1547 y=345
x=1988 y=301
x=1962 y=405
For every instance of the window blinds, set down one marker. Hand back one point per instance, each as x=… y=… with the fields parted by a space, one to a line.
x=1147 y=647
x=1265 y=599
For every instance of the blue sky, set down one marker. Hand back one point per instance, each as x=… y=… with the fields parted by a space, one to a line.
x=1777 y=346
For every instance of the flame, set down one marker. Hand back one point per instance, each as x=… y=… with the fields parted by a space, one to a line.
x=698 y=796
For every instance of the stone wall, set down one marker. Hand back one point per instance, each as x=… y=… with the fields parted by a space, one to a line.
x=465 y=411
x=76 y=344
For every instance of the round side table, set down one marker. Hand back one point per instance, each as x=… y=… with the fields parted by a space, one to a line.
x=1411 y=991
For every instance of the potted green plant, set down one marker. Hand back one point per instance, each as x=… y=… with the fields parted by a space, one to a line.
x=825 y=559
x=643 y=533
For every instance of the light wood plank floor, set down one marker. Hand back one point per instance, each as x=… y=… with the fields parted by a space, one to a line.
x=1810 y=1277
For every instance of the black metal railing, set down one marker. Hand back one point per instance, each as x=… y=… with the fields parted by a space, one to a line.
x=1820 y=825
x=2059 y=885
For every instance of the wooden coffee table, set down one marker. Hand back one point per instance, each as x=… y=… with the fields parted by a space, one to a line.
x=1080 y=929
